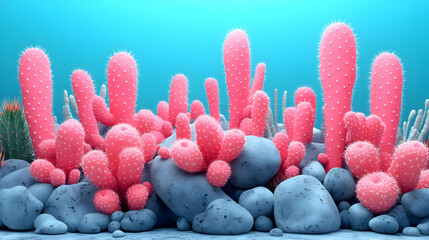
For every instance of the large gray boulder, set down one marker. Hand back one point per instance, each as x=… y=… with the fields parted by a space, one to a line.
x=21 y=177
x=12 y=165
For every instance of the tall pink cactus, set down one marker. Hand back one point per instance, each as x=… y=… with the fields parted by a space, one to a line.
x=83 y=90
x=386 y=94
x=212 y=91
x=258 y=80
x=36 y=88
x=337 y=74
x=122 y=84
x=178 y=102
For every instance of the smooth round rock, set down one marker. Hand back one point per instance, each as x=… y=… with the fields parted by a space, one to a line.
x=398 y=212
x=138 y=220
x=183 y=224
x=93 y=223
x=384 y=224
x=263 y=224
x=276 y=232
x=21 y=177
x=416 y=202
x=19 y=208
x=315 y=169
x=303 y=205
x=223 y=217
x=257 y=163
x=312 y=150
x=258 y=201
x=345 y=219
x=118 y=234
x=423 y=226
x=42 y=191
x=411 y=231
x=47 y=224
x=117 y=216
x=359 y=217
x=113 y=226
x=343 y=205
x=340 y=184
x=12 y=165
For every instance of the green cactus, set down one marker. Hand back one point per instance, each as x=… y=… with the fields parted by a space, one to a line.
x=15 y=140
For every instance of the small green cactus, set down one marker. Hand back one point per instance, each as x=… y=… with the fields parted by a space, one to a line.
x=15 y=140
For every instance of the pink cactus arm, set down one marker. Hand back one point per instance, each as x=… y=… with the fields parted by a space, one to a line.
x=101 y=112
x=178 y=97
x=41 y=170
x=148 y=146
x=164 y=153
x=107 y=201
x=305 y=94
x=386 y=94
x=289 y=120
x=69 y=142
x=144 y=121
x=209 y=137
x=130 y=169
x=162 y=110
x=258 y=81
x=232 y=144
x=304 y=122
x=337 y=74
x=48 y=150
x=58 y=177
x=281 y=141
x=73 y=177
x=218 y=173
x=94 y=165
x=36 y=88
x=236 y=58
x=167 y=129
x=362 y=158
x=212 y=90
x=137 y=196
x=197 y=109
x=296 y=152
x=187 y=156
x=259 y=113
x=83 y=90
x=183 y=129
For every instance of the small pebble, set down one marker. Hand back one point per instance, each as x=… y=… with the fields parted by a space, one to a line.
x=118 y=234
x=423 y=227
x=276 y=232
x=263 y=224
x=117 y=216
x=345 y=219
x=384 y=224
x=113 y=226
x=359 y=217
x=183 y=224
x=411 y=231
x=343 y=205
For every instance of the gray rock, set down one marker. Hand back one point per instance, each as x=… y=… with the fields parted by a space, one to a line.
x=117 y=216
x=411 y=231
x=183 y=224
x=312 y=150
x=423 y=226
x=224 y=124
x=303 y=205
x=263 y=224
x=315 y=169
x=18 y=208
x=276 y=232
x=257 y=163
x=138 y=220
x=343 y=205
x=113 y=226
x=21 y=177
x=93 y=223
x=186 y=194
x=42 y=191
x=359 y=217
x=340 y=184
x=258 y=201
x=223 y=217
x=317 y=136
x=345 y=219
x=12 y=165
x=238 y=193
x=384 y=224
x=118 y=234
x=398 y=212
x=69 y=203
x=47 y=224
x=417 y=202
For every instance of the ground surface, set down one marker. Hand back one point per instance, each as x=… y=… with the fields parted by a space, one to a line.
x=171 y=233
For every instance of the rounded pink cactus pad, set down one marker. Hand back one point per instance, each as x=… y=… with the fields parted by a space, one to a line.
x=362 y=158
x=187 y=156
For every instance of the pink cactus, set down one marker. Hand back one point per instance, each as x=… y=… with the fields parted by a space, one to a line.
x=305 y=94
x=166 y=129
x=337 y=74
x=145 y=121
x=41 y=170
x=178 y=97
x=209 y=137
x=197 y=109
x=291 y=171
x=258 y=81
x=122 y=84
x=232 y=144
x=137 y=196
x=281 y=141
x=83 y=90
x=148 y=146
x=107 y=201
x=296 y=152
x=386 y=94
x=289 y=120
x=377 y=191
x=409 y=159
x=187 y=156
x=164 y=153
x=212 y=91
x=362 y=158
x=361 y=128
x=183 y=129
x=303 y=123
x=218 y=173
x=36 y=88
x=162 y=110
x=256 y=125
x=424 y=180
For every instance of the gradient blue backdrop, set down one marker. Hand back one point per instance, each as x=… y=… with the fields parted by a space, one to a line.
x=169 y=37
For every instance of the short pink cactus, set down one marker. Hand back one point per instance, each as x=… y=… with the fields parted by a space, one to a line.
x=218 y=173
x=289 y=119
x=424 y=180
x=305 y=94
x=258 y=81
x=386 y=95
x=362 y=158
x=337 y=74
x=58 y=177
x=178 y=101
x=212 y=91
x=361 y=128
x=183 y=129
x=107 y=201
x=256 y=125
x=137 y=196
x=36 y=88
x=303 y=123
x=164 y=153
x=377 y=191
x=162 y=110
x=296 y=152
x=291 y=171
x=41 y=170
x=281 y=141
x=197 y=109
x=187 y=156
x=144 y=121
x=232 y=144
x=209 y=138
x=409 y=159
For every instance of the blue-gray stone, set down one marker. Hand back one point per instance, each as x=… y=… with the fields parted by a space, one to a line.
x=223 y=123
x=18 y=208
x=118 y=234
x=411 y=231
x=12 y=165
x=21 y=177
x=223 y=217
x=317 y=136
x=263 y=224
x=315 y=169
x=183 y=224
x=113 y=226
x=93 y=223
x=312 y=150
x=47 y=224
x=258 y=201
x=42 y=191
x=417 y=202
x=398 y=211
x=69 y=203
x=345 y=219
x=237 y=193
x=359 y=217
x=117 y=216
x=340 y=184
x=138 y=220
x=186 y=194
x=423 y=226
x=257 y=163
x=343 y=205
x=276 y=232
x=303 y=205
x=384 y=224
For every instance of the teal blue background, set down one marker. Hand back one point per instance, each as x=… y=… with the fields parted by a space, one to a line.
x=170 y=37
